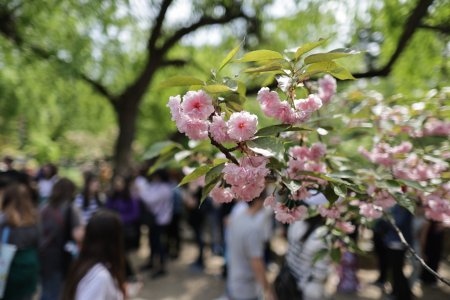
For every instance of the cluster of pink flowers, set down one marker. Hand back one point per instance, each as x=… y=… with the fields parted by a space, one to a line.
x=370 y=210
x=192 y=117
x=381 y=198
x=283 y=213
x=435 y=127
x=437 y=204
x=273 y=107
x=246 y=180
x=416 y=169
x=327 y=88
x=384 y=154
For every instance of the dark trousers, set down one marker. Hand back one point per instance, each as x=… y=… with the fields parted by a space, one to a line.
x=381 y=253
x=400 y=285
x=433 y=254
x=174 y=236
x=158 y=244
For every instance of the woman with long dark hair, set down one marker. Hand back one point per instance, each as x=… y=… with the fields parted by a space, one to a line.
x=20 y=218
x=98 y=273
x=58 y=230
x=88 y=202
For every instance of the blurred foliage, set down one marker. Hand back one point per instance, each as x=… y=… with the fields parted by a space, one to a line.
x=47 y=112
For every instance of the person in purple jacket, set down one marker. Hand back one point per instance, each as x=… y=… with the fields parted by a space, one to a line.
x=126 y=205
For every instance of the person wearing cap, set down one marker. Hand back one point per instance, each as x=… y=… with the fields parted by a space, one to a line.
x=304 y=241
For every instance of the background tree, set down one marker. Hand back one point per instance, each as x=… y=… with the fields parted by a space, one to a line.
x=60 y=58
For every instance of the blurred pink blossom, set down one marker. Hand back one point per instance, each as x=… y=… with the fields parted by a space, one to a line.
x=242 y=126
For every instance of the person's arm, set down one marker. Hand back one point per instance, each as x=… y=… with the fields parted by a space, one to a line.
x=260 y=273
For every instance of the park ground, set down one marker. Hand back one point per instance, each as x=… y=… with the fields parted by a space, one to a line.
x=182 y=283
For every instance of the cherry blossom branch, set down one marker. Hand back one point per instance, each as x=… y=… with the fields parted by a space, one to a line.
x=413 y=252
x=224 y=150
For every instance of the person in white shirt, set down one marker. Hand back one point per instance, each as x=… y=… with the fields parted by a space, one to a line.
x=157 y=196
x=98 y=274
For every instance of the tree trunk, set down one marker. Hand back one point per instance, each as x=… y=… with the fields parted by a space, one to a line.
x=127 y=113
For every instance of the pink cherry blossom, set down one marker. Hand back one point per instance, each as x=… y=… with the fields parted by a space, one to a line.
x=195 y=129
x=317 y=151
x=435 y=127
x=175 y=107
x=242 y=126
x=270 y=201
x=346 y=227
x=288 y=216
x=309 y=105
x=299 y=152
x=218 y=129
x=197 y=105
x=332 y=212
x=247 y=179
x=327 y=88
x=221 y=195
x=370 y=211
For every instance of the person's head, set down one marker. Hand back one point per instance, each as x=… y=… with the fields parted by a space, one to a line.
x=257 y=203
x=121 y=187
x=103 y=243
x=8 y=161
x=63 y=191
x=49 y=170
x=18 y=207
x=160 y=176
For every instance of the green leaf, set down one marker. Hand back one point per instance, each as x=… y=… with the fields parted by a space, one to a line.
x=229 y=56
x=265 y=68
x=200 y=171
x=308 y=47
x=273 y=129
x=259 y=55
x=407 y=203
x=241 y=88
x=213 y=173
x=268 y=146
x=340 y=190
x=208 y=188
x=319 y=255
x=320 y=67
x=159 y=148
x=217 y=88
x=336 y=254
x=335 y=54
x=180 y=81
x=342 y=73
x=413 y=184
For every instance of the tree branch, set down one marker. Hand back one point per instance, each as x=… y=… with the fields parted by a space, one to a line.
x=229 y=15
x=413 y=252
x=156 y=31
x=445 y=29
x=411 y=25
x=174 y=62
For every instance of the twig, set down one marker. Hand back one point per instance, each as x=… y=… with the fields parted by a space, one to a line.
x=224 y=150
x=413 y=252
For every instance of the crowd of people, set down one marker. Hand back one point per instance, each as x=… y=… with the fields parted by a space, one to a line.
x=76 y=243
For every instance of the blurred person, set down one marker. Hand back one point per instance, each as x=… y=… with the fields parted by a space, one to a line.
x=348 y=268
x=126 y=205
x=59 y=225
x=419 y=231
x=45 y=181
x=196 y=216
x=304 y=241
x=245 y=252
x=99 y=272
x=20 y=217
x=88 y=202
x=396 y=251
x=174 y=230
x=379 y=231
x=432 y=248
x=157 y=196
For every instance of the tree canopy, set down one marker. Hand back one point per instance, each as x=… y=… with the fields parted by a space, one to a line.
x=70 y=68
